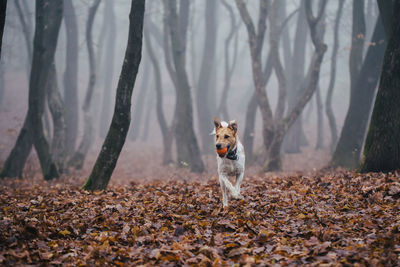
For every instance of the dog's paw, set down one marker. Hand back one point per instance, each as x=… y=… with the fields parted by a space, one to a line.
x=238 y=196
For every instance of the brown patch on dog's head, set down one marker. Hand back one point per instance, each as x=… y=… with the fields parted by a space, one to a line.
x=225 y=135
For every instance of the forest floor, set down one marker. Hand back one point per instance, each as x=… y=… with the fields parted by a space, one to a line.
x=319 y=218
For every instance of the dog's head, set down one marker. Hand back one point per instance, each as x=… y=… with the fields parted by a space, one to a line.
x=225 y=136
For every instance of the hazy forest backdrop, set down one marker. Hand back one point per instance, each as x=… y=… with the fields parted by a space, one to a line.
x=313 y=85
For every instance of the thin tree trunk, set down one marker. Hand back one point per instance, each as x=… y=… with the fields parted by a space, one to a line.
x=79 y=156
x=229 y=66
x=56 y=107
x=348 y=150
x=108 y=68
x=3 y=8
x=274 y=161
x=48 y=22
x=293 y=139
x=149 y=110
x=256 y=41
x=140 y=102
x=71 y=78
x=186 y=141
x=332 y=79
x=204 y=83
x=166 y=131
x=320 y=120
x=248 y=136
x=112 y=146
x=382 y=146
x=15 y=162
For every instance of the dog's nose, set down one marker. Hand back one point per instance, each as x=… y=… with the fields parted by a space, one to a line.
x=218 y=146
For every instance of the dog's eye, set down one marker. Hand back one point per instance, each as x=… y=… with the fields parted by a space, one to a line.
x=226 y=136
x=217 y=136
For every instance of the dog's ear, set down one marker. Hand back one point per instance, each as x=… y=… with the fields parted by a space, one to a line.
x=217 y=123
x=233 y=125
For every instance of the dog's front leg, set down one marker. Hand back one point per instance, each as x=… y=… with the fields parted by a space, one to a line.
x=223 y=189
x=239 y=179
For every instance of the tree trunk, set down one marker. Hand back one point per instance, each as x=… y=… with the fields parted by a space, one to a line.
x=149 y=110
x=56 y=107
x=186 y=141
x=15 y=162
x=332 y=79
x=48 y=21
x=382 y=147
x=108 y=69
x=71 y=78
x=3 y=8
x=204 y=83
x=293 y=139
x=140 y=102
x=357 y=43
x=248 y=136
x=256 y=41
x=320 y=120
x=274 y=161
x=167 y=133
x=229 y=66
x=79 y=156
x=348 y=149
x=27 y=34
x=112 y=146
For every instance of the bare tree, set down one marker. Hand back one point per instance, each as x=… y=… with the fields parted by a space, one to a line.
x=276 y=125
x=295 y=138
x=207 y=67
x=140 y=101
x=166 y=131
x=186 y=141
x=106 y=109
x=332 y=78
x=56 y=107
x=78 y=158
x=348 y=150
x=112 y=146
x=229 y=61
x=382 y=147
x=71 y=77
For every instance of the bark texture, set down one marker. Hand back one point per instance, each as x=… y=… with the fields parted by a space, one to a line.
x=56 y=107
x=348 y=150
x=116 y=136
x=382 y=146
x=48 y=21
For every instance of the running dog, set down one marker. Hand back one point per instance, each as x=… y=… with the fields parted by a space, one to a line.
x=230 y=158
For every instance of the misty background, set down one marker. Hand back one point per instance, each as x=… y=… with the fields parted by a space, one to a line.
x=110 y=32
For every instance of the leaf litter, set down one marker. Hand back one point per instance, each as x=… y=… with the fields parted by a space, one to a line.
x=326 y=218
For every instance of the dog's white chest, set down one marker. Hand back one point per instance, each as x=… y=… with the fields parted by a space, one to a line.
x=229 y=167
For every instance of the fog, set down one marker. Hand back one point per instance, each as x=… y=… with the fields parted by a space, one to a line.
x=144 y=146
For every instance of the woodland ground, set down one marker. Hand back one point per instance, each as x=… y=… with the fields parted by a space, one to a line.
x=318 y=218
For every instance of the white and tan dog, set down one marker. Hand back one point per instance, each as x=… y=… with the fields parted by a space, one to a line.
x=231 y=158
